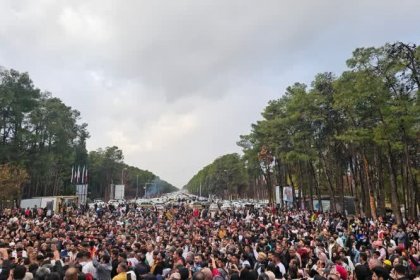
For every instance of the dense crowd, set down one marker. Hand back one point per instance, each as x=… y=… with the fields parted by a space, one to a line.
x=180 y=243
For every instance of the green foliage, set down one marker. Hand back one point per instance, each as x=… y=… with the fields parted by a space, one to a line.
x=11 y=180
x=361 y=127
x=225 y=176
x=46 y=138
x=107 y=167
x=39 y=132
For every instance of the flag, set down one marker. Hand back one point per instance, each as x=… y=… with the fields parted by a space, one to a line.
x=264 y=180
x=86 y=175
x=83 y=175
x=75 y=175
x=78 y=174
x=72 y=171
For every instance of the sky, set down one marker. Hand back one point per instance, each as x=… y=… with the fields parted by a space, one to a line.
x=174 y=83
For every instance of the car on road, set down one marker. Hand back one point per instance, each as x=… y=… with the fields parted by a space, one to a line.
x=145 y=204
x=225 y=206
x=213 y=207
x=113 y=202
x=99 y=202
x=237 y=204
x=159 y=206
x=196 y=205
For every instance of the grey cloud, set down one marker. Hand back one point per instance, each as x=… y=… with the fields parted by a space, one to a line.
x=174 y=83
x=180 y=47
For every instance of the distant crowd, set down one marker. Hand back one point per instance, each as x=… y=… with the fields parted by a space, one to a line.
x=179 y=243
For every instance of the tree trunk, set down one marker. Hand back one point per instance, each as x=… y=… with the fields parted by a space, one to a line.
x=311 y=189
x=333 y=202
x=363 y=191
x=370 y=188
x=404 y=183
x=267 y=176
x=395 y=202
x=301 y=189
x=318 y=192
x=380 y=190
x=279 y=179
x=354 y=183
x=330 y=184
x=341 y=181
x=412 y=183
x=293 y=188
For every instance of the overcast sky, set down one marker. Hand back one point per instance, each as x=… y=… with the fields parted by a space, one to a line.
x=174 y=83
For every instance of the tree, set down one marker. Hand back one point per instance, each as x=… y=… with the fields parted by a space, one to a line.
x=11 y=180
x=225 y=177
x=350 y=133
x=18 y=97
x=389 y=78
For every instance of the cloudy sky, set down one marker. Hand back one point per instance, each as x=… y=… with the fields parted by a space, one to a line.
x=174 y=83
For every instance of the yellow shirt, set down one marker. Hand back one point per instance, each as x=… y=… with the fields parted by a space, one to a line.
x=120 y=276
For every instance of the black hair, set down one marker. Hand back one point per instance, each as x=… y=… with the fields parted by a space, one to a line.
x=106 y=258
x=19 y=272
x=53 y=276
x=400 y=269
x=198 y=276
x=381 y=272
x=263 y=276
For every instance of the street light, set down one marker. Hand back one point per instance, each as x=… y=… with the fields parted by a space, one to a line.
x=137 y=189
x=122 y=175
x=145 y=189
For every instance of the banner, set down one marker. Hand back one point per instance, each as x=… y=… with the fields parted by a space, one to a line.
x=288 y=194
x=278 y=201
x=119 y=192
x=325 y=205
x=81 y=193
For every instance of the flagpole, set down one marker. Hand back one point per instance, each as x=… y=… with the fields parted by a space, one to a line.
x=78 y=174
x=71 y=178
x=83 y=174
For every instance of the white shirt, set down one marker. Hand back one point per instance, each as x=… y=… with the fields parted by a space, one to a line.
x=89 y=268
x=281 y=268
x=133 y=261
x=132 y=274
x=24 y=254
x=149 y=258
x=339 y=241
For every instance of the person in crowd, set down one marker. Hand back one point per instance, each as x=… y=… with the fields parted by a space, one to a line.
x=180 y=243
x=121 y=272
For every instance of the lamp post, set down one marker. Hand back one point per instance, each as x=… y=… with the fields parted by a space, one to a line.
x=145 y=188
x=137 y=189
x=122 y=175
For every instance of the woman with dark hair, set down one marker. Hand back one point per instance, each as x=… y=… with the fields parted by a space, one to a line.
x=53 y=276
x=247 y=274
x=263 y=276
x=380 y=273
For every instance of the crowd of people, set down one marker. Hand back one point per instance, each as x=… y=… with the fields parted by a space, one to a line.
x=180 y=243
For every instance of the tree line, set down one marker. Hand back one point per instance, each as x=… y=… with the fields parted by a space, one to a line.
x=107 y=167
x=354 y=134
x=41 y=138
